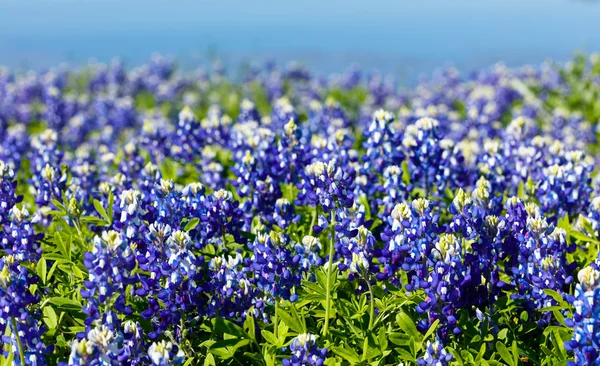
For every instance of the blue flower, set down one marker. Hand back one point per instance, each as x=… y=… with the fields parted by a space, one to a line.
x=305 y=351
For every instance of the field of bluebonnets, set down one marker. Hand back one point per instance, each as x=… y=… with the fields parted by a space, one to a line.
x=150 y=216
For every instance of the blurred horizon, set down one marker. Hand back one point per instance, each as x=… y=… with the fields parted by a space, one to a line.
x=406 y=39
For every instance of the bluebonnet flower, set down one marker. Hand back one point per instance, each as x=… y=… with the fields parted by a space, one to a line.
x=19 y=238
x=355 y=245
x=17 y=313
x=109 y=265
x=325 y=118
x=283 y=111
x=435 y=162
x=394 y=190
x=212 y=170
x=284 y=214
x=248 y=112
x=309 y=250
x=98 y=348
x=383 y=143
x=222 y=216
x=435 y=355
x=571 y=128
x=216 y=127
x=14 y=145
x=134 y=345
x=566 y=189
x=542 y=262
x=54 y=107
x=48 y=179
x=233 y=292
x=186 y=139
x=8 y=199
x=255 y=182
x=584 y=343
x=410 y=235
x=129 y=212
x=164 y=353
x=305 y=351
x=327 y=185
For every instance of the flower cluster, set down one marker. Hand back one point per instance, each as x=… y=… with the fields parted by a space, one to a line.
x=193 y=218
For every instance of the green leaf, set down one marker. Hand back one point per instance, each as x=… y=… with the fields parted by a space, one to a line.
x=314 y=287
x=101 y=211
x=504 y=353
x=249 y=326
x=292 y=321
x=191 y=225
x=581 y=237
x=111 y=202
x=480 y=354
x=210 y=360
x=50 y=317
x=321 y=278
x=457 y=359
x=432 y=329
x=232 y=344
x=521 y=190
x=270 y=337
x=558 y=315
x=63 y=246
x=348 y=354
x=400 y=339
x=221 y=326
x=502 y=334
x=8 y=361
x=65 y=303
x=405 y=355
x=563 y=223
x=282 y=332
x=363 y=200
x=52 y=269
x=408 y=326
x=93 y=220
x=405 y=173
x=59 y=206
x=41 y=269
x=382 y=339
x=515 y=352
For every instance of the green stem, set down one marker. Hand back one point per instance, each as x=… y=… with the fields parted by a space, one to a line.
x=80 y=233
x=372 y=309
x=275 y=323
x=312 y=222
x=329 y=269
x=19 y=344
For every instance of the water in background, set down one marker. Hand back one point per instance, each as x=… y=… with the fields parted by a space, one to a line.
x=405 y=38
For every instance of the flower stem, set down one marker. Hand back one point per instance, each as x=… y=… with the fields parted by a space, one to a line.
x=329 y=269
x=77 y=225
x=314 y=219
x=372 y=308
x=275 y=325
x=19 y=344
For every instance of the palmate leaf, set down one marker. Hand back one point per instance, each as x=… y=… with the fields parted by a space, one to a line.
x=292 y=321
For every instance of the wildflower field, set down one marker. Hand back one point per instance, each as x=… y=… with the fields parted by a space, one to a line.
x=154 y=217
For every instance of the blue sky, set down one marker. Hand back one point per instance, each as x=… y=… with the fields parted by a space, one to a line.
x=404 y=37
